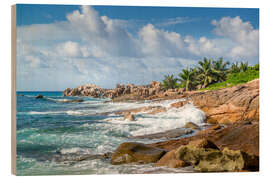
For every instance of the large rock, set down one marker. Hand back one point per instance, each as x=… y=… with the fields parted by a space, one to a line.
x=170 y=160
x=202 y=143
x=40 y=96
x=244 y=137
x=131 y=152
x=213 y=160
x=229 y=105
x=192 y=125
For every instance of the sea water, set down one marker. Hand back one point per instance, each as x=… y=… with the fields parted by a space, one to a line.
x=53 y=133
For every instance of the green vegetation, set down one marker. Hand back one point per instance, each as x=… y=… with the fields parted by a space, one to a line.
x=211 y=75
x=169 y=82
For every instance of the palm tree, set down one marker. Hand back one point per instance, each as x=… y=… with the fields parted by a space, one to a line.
x=169 y=82
x=220 y=69
x=234 y=68
x=206 y=75
x=187 y=78
x=244 y=66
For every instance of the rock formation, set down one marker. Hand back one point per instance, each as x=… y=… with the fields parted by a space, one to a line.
x=131 y=152
x=242 y=136
x=229 y=105
x=40 y=96
x=123 y=92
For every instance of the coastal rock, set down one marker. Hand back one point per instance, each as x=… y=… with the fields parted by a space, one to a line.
x=135 y=110
x=40 y=96
x=170 y=160
x=192 y=125
x=181 y=90
x=74 y=101
x=202 y=143
x=156 y=110
x=229 y=105
x=178 y=104
x=119 y=93
x=212 y=160
x=131 y=152
x=129 y=116
x=243 y=136
x=193 y=155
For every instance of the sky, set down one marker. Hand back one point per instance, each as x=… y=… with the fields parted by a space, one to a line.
x=61 y=46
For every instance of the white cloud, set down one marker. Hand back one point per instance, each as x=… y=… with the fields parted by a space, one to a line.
x=155 y=42
x=88 y=47
x=242 y=33
x=69 y=48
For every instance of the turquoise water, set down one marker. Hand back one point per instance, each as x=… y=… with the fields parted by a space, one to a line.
x=52 y=133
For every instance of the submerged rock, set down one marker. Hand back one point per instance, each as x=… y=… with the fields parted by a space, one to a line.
x=74 y=157
x=74 y=101
x=132 y=152
x=40 y=96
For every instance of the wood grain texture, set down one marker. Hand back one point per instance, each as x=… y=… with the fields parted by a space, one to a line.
x=13 y=89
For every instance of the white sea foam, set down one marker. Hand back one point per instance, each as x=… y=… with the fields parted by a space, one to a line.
x=45 y=112
x=74 y=112
x=75 y=150
x=57 y=100
x=173 y=118
x=70 y=112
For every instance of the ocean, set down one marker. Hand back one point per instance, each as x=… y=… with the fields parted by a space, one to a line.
x=53 y=134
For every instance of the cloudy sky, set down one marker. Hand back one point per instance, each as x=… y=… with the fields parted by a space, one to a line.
x=66 y=46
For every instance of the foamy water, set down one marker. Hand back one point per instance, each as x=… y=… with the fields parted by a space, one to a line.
x=49 y=127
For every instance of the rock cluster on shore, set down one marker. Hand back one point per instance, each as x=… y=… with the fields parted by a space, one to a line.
x=125 y=92
x=230 y=144
x=202 y=154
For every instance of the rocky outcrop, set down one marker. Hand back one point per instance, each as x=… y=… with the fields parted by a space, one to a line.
x=229 y=105
x=40 y=96
x=91 y=90
x=214 y=160
x=224 y=106
x=205 y=156
x=131 y=152
x=124 y=92
x=242 y=136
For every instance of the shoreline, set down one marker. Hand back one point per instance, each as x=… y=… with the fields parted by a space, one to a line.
x=233 y=115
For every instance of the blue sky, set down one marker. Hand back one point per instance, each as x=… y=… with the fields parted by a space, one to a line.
x=65 y=46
